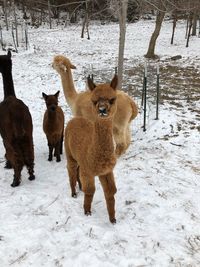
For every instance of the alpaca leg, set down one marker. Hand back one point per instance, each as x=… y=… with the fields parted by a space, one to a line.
x=61 y=145
x=17 y=174
x=50 y=152
x=120 y=140
x=30 y=168
x=57 y=151
x=88 y=187
x=8 y=164
x=28 y=157
x=78 y=179
x=109 y=188
x=73 y=173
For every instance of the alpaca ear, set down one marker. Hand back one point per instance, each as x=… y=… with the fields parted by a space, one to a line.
x=44 y=96
x=72 y=66
x=57 y=94
x=9 y=54
x=114 y=82
x=91 y=85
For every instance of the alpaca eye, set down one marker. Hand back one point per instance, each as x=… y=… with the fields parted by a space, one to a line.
x=94 y=102
x=111 y=101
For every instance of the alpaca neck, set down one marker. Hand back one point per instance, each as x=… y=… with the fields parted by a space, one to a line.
x=8 y=85
x=68 y=88
x=103 y=138
x=51 y=116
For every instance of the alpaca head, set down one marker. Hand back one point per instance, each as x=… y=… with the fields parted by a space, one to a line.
x=5 y=63
x=104 y=98
x=62 y=64
x=51 y=101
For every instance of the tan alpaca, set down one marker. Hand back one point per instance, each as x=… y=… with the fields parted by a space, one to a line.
x=90 y=147
x=53 y=125
x=80 y=104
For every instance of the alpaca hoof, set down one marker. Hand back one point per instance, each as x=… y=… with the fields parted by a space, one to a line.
x=74 y=195
x=113 y=221
x=88 y=213
x=8 y=165
x=49 y=159
x=31 y=177
x=58 y=160
x=15 y=183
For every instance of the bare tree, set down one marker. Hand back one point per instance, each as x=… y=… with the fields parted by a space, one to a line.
x=175 y=18
x=6 y=14
x=122 y=35
x=159 y=19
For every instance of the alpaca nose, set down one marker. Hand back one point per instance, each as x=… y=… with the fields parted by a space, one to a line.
x=102 y=111
x=53 y=108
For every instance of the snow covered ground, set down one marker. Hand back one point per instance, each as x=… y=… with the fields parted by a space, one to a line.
x=158 y=179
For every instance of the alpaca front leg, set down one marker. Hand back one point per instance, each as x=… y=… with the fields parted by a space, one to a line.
x=109 y=188
x=88 y=187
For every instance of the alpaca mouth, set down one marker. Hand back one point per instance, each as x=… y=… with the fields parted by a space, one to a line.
x=103 y=114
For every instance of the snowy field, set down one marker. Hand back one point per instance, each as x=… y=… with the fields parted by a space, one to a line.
x=158 y=179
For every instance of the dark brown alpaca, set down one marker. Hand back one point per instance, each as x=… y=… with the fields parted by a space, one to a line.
x=53 y=125
x=90 y=146
x=15 y=126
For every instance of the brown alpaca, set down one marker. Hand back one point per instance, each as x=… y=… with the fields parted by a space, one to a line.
x=53 y=125
x=15 y=126
x=90 y=147
x=80 y=104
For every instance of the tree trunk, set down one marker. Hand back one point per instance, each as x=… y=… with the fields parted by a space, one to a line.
x=174 y=26
x=86 y=21
x=122 y=26
x=6 y=14
x=189 y=30
x=151 y=50
x=194 y=26
x=16 y=26
x=49 y=11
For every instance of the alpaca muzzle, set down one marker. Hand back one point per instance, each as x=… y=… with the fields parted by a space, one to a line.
x=103 y=112
x=52 y=108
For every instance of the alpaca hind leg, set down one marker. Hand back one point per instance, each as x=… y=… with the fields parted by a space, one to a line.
x=88 y=187
x=17 y=174
x=30 y=168
x=28 y=156
x=61 y=144
x=50 y=152
x=78 y=179
x=72 y=168
x=57 y=151
x=109 y=188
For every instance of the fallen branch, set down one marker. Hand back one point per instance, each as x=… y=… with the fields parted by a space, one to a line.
x=175 y=144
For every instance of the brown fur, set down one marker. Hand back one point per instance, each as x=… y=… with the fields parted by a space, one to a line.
x=80 y=104
x=90 y=147
x=15 y=126
x=53 y=125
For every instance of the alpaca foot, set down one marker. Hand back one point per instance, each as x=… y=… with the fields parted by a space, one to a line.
x=58 y=159
x=16 y=182
x=49 y=158
x=8 y=165
x=74 y=195
x=88 y=213
x=31 y=177
x=113 y=221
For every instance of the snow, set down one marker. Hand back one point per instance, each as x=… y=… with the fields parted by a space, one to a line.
x=158 y=179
